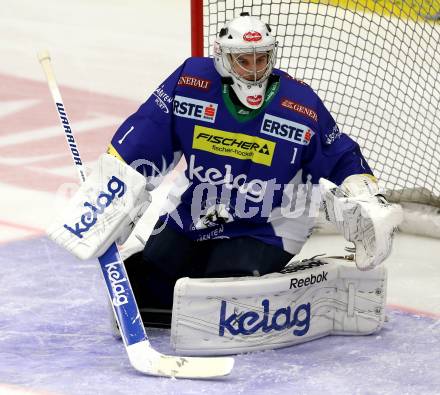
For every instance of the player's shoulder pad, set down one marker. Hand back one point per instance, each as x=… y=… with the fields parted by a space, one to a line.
x=199 y=65
x=286 y=76
x=198 y=73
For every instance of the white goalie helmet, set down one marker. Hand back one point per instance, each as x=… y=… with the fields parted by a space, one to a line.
x=245 y=51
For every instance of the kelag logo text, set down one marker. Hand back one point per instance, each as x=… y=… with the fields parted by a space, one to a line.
x=115 y=188
x=117 y=279
x=249 y=322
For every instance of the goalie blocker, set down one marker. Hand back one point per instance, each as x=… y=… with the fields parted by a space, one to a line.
x=309 y=300
x=104 y=209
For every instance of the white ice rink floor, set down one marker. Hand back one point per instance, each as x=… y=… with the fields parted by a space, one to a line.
x=55 y=337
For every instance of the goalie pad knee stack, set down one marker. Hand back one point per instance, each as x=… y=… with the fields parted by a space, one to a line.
x=309 y=300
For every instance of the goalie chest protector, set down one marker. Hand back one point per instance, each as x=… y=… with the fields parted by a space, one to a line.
x=251 y=164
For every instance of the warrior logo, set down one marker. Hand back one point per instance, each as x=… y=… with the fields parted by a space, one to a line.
x=69 y=135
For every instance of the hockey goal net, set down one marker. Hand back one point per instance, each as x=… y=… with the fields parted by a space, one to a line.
x=375 y=64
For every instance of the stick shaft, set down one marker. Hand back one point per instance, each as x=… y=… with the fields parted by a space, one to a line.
x=119 y=290
x=44 y=59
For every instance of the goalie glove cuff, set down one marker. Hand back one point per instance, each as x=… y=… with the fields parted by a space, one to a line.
x=361 y=185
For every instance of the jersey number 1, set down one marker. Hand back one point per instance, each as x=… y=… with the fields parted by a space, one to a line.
x=295 y=150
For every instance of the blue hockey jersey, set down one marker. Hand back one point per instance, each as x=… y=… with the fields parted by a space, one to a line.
x=248 y=172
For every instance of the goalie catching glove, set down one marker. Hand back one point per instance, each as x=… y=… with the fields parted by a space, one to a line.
x=104 y=209
x=363 y=216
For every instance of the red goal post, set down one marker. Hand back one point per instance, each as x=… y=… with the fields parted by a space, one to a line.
x=375 y=64
x=197 y=28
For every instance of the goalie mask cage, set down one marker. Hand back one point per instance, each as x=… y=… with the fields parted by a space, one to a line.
x=375 y=64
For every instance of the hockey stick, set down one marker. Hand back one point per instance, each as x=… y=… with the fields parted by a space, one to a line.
x=143 y=357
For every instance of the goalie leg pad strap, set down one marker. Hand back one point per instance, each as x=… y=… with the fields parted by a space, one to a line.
x=316 y=299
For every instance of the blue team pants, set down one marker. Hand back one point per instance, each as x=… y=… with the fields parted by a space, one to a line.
x=170 y=255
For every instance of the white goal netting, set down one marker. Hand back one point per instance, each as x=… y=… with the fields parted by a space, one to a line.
x=375 y=64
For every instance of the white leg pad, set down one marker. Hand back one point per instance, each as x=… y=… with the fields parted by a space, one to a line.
x=314 y=299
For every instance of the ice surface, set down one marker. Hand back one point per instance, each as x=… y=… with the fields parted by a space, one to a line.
x=55 y=335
